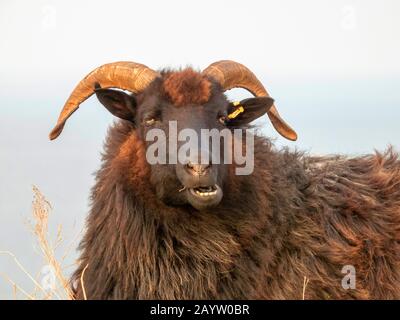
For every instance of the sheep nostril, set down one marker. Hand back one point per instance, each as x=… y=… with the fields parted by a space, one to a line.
x=197 y=169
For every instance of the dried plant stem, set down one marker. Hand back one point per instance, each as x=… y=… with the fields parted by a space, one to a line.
x=37 y=284
x=41 y=209
x=17 y=287
x=70 y=246
x=83 y=283
x=305 y=283
x=60 y=287
x=15 y=290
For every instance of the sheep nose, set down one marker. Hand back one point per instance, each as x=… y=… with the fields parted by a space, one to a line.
x=197 y=169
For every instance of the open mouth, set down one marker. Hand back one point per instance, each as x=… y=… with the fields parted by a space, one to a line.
x=208 y=191
x=205 y=196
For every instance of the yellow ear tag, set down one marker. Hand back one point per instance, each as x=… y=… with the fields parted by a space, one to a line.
x=238 y=111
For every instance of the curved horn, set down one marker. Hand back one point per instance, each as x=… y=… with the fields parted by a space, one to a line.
x=231 y=74
x=124 y=75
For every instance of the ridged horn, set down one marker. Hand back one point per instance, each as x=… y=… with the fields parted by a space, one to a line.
x=131 y=76
x=231 y=74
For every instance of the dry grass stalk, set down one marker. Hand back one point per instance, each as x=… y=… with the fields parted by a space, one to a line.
x=22 y=268
x=83 y=282
x=60 y=287
x=41 y=209
x=305 y=283
x=17 y=288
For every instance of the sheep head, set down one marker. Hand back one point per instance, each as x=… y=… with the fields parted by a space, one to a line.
x=191 y=100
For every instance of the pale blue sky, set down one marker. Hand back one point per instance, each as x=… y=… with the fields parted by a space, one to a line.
x=332 y=66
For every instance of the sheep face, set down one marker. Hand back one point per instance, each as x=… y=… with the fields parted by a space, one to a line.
x=185 y=99
x=171 y=117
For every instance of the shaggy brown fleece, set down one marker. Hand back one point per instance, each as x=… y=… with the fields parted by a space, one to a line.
x=186 y=87
x=294 y=218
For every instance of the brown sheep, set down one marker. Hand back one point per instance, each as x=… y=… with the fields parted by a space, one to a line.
x=283 y=232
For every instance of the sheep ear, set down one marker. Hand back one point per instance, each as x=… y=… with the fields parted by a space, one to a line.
x=247 y=110
x=119 y=103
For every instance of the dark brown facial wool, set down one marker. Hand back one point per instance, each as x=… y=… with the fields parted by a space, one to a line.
x=296 y=218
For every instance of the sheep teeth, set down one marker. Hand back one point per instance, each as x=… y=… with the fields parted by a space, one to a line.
x=205 y=194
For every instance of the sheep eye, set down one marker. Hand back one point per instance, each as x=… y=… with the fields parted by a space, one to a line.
x=222 y=120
